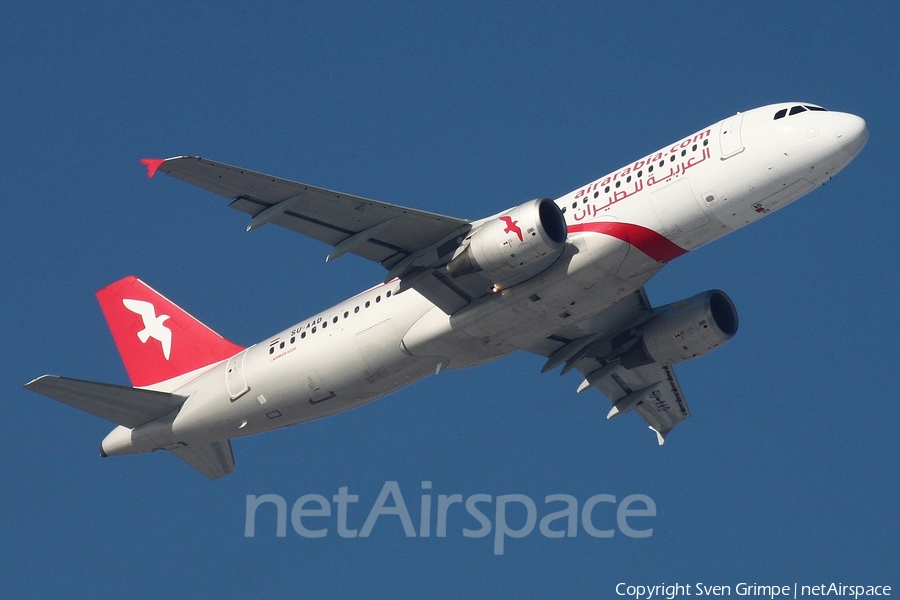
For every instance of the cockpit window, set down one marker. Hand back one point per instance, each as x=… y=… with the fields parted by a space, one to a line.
x=797 y=110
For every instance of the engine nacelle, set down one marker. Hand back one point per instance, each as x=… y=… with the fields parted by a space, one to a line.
x=685 y=330
x=521 y=236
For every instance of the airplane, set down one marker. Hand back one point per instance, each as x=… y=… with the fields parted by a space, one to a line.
x=559 y=278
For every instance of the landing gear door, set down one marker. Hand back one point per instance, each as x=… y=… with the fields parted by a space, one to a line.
x=234 y=376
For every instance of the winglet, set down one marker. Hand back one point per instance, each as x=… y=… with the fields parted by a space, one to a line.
x=152 y=165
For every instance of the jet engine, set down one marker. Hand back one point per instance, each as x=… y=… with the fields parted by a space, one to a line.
x=515 y=238
x=684 y=330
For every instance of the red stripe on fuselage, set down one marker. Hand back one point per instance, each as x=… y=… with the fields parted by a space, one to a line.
x=654 y=245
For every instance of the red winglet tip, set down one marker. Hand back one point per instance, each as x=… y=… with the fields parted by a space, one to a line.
x=152 y=165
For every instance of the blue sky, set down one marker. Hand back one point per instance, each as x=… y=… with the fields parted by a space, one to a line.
x=787 y=471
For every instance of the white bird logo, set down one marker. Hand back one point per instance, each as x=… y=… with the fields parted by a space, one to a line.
x=153 y=325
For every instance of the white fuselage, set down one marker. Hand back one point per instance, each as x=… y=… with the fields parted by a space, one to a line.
x=623 y=228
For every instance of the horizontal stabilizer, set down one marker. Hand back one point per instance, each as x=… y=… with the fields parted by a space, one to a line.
x=213 y=460
x=126 y=406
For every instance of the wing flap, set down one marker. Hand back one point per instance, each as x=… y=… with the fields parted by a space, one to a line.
x=122 y=405
x=212 y=460
x=380 y=248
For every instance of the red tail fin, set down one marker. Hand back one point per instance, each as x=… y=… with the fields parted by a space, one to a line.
x=156 y=339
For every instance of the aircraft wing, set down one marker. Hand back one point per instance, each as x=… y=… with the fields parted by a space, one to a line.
x=593 y=347
x=384 y=233
x=409 y=243
x=651 y=391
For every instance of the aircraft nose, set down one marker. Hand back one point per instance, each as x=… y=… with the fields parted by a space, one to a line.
x=851 y=131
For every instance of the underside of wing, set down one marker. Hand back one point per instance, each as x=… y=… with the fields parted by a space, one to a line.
x=652 y=391
x=384 y=233
x=598 y=348
x=411 y=244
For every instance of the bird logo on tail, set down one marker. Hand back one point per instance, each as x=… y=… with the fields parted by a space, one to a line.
x=153 y=325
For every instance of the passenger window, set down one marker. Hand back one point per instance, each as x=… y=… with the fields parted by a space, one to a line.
x=780 y=114
x=797 y=109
